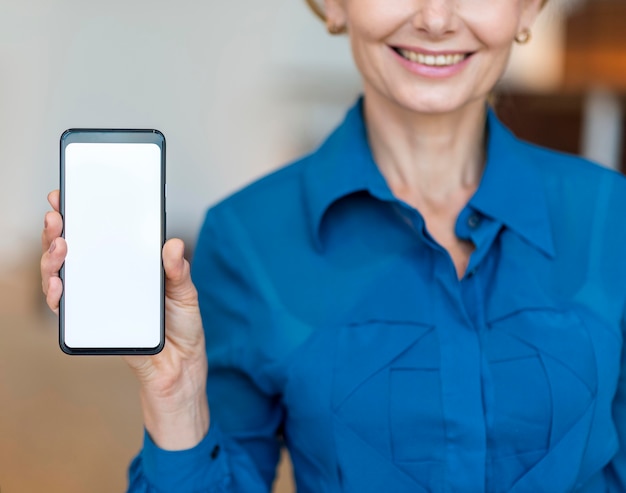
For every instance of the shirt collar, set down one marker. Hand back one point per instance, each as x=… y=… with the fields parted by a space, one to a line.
x=341 y=166
x=510 y=190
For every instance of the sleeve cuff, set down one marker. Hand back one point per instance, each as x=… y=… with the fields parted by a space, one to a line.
x=199 y=468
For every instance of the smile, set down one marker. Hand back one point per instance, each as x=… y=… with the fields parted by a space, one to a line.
x=431 y=60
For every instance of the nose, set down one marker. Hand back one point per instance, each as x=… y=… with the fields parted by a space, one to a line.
x=435 y=18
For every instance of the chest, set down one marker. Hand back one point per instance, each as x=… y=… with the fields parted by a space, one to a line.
x=437 y=381
x=440 y=224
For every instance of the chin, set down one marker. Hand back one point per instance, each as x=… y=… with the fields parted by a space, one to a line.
x=431 y=106
x=431 y=102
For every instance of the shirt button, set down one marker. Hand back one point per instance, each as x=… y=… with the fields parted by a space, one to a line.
x=473 y=221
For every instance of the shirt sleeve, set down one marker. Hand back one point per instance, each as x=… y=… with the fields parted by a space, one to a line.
x=615 y=472
x=242 y=448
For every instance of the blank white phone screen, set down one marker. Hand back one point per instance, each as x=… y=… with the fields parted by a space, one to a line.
x=112 y=224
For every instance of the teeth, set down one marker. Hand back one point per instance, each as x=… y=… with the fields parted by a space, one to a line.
x=432 y=60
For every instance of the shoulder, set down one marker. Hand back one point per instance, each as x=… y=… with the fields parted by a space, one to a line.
x=266 y=218
x=586 y=202
x=574 y=177
x=554 y=163
x=267 y=198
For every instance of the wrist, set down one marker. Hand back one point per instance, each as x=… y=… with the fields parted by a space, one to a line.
x=175 y=409
x=176 y=423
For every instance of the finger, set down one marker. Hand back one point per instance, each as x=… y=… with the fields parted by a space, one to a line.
x=53 y=227
x=178 y=279
x=51 y=262
x=54 y=200
x=53 y=296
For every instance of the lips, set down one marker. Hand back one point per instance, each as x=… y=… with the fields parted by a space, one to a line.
x=430 y=59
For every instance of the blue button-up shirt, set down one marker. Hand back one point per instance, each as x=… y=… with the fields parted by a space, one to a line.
x=336 y=325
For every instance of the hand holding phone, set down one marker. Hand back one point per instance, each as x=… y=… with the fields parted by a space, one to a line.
x=173 y=381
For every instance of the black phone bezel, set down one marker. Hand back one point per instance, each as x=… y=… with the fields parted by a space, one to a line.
x=113 y=135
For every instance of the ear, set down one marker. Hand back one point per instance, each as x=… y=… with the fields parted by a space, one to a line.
x=335 y=13
x=529 y=13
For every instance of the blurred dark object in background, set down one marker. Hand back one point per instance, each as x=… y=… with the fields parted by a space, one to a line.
x=596 y=47
x=586 y=114
x=552 y=120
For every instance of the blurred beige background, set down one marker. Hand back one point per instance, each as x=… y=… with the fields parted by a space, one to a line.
x=238 y=88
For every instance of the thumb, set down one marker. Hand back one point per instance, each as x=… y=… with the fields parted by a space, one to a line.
x=178 y=285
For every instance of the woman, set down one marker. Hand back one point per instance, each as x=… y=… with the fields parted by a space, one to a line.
x=425 y=303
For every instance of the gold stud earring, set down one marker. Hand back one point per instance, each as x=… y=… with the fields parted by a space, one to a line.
x=523 y=37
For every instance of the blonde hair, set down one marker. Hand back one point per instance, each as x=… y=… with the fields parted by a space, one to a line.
x=317 y=9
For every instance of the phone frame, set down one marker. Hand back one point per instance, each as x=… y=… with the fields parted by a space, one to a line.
x=111 y=135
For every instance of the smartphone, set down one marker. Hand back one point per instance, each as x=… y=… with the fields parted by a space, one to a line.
x=113 y=206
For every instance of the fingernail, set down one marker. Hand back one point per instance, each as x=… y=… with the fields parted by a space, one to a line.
x=53 y=245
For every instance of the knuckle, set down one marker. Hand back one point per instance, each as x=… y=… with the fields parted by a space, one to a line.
x=43 y=266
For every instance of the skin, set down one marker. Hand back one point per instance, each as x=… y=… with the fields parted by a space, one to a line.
x=427 y=132
x=427 y=136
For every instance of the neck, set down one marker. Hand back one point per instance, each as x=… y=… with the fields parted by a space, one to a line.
x=428 y=160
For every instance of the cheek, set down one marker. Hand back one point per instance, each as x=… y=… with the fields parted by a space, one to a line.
x=497 y=28
x=367 y=30
x=367 y=39
x=375 y=20
x=365 y=58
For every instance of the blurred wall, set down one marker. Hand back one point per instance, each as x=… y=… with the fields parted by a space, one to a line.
x=216 y=77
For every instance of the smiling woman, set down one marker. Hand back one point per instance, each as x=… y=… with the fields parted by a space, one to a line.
x=424 y=304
